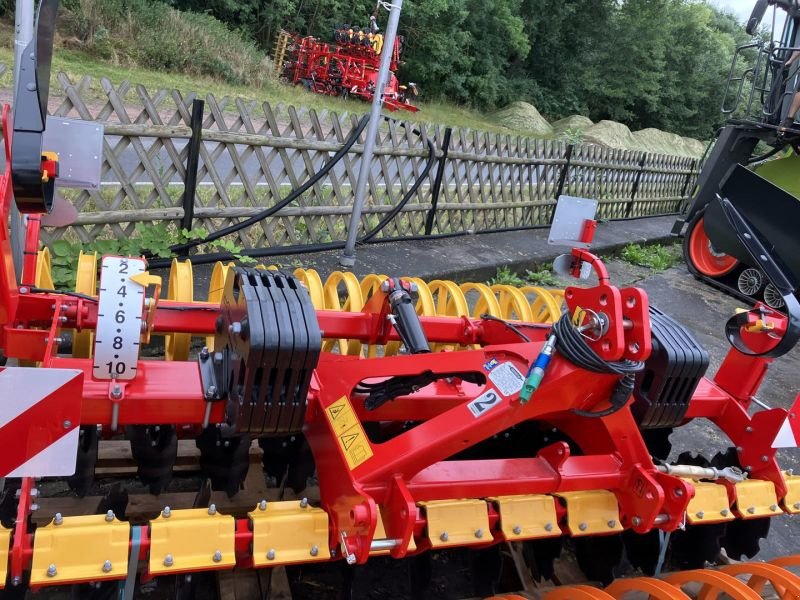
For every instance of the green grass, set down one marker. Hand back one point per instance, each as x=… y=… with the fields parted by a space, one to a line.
x=76 y=64
x=656 y=257
x=505 y=276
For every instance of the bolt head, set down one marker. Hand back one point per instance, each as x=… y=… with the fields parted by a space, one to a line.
x=724 y=512
x=212 y=509
x=444 y=537
x=168 y=560
x=517 y=530
x=773 y=507
x=271 y=554
x=304 y=503
x=548 y=527
x=700 y=514
x=110 y=516
x=796 y=506
x=52 y=571
x=612 y=523
x=211 y=392
x=751 y=509
x=636 y=521
x=679 y=492
x=204 y=353
x=314 y=550
x=748 y=429
x=107 y=566
x=479 y=533
x=58 y=519
x=217 y=556
x=262 y=505
x=67 y=424
x=583 y=526
x=166 y=512
x=765 y=458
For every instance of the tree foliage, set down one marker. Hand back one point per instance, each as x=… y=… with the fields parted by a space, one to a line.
x=647 y=63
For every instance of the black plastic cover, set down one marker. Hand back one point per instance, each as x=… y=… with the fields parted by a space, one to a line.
x=671 y=374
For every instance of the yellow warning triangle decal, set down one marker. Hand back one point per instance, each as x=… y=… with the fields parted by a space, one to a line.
x=348 y=439
x=335 y=410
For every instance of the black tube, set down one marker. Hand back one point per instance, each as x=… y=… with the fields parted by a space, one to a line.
x=183 y=248
x=437 y=182
x=192 y=159
x=404 y=200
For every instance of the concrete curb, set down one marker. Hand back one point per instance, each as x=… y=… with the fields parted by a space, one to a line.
x=465 y=258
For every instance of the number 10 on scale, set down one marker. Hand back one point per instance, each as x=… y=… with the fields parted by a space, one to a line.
x=119 y=319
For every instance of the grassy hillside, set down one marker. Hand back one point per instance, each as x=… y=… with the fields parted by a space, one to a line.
x=77 y=63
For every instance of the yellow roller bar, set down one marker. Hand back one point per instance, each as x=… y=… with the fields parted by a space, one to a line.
x=756 y=498
x=85 y=548
x=527 y=517
x=591 y=512
x=195 y=539
x=457 y=522
x=709 y=505
x=289 y=532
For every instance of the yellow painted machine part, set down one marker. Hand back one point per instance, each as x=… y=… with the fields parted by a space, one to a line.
x=756 y=498
x=85 y=283
x=457 y=522
x=5 y=541
x=215 y=288
x=191 y=540
x=43 y=277
x=710 y=504
x=181 y=288
x=289 y=532
x=591 y=512
x=341 y=291
x=84 y=548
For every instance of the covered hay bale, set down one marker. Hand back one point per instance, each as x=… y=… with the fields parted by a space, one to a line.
x=610 y=134
x=523 y=117
x=573 y=123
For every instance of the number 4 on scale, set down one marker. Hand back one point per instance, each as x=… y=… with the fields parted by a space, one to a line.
x=487 y=400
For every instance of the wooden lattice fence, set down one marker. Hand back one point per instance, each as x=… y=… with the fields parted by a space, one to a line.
x=253 y=154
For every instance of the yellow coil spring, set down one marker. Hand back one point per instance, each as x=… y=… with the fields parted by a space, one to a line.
x=341 y=291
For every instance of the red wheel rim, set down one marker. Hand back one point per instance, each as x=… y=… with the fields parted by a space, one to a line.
x=704 y=258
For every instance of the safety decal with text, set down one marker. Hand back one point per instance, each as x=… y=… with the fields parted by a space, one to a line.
x=483 y=403
x=507 y=379
x=349 y=432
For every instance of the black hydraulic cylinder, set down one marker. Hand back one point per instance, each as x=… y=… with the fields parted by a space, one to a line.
x=407 y=322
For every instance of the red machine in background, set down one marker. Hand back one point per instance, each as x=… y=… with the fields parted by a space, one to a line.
x=347 y=68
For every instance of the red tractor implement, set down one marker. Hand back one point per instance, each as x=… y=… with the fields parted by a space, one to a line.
x=347 y=68
x=427 y=423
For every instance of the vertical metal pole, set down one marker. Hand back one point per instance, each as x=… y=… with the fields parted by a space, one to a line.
x=348 y=257
x=23 y=34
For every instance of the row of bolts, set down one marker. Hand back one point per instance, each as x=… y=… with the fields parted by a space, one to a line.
x=444 y=537
x=52 y=571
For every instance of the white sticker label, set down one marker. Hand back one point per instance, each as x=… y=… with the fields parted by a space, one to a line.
x=487 y=400
x=507 y=379
x=119 y=319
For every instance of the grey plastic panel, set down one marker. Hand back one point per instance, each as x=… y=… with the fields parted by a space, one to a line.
x=571 y=212
x=79 y=145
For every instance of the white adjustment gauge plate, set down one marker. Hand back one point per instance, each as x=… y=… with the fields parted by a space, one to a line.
x=119 y=319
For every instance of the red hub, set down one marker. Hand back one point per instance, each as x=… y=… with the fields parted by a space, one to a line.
x=704 y=257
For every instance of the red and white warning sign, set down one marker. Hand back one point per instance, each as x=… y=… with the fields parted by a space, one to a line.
x=789 y=433
x=40 y=412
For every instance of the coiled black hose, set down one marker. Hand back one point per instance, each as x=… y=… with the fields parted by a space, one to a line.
x=572 y=346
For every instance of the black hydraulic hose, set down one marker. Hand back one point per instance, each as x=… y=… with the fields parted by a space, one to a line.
x=409 y=194
x=296 y=193
x=305 y=248
x=765 y=156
